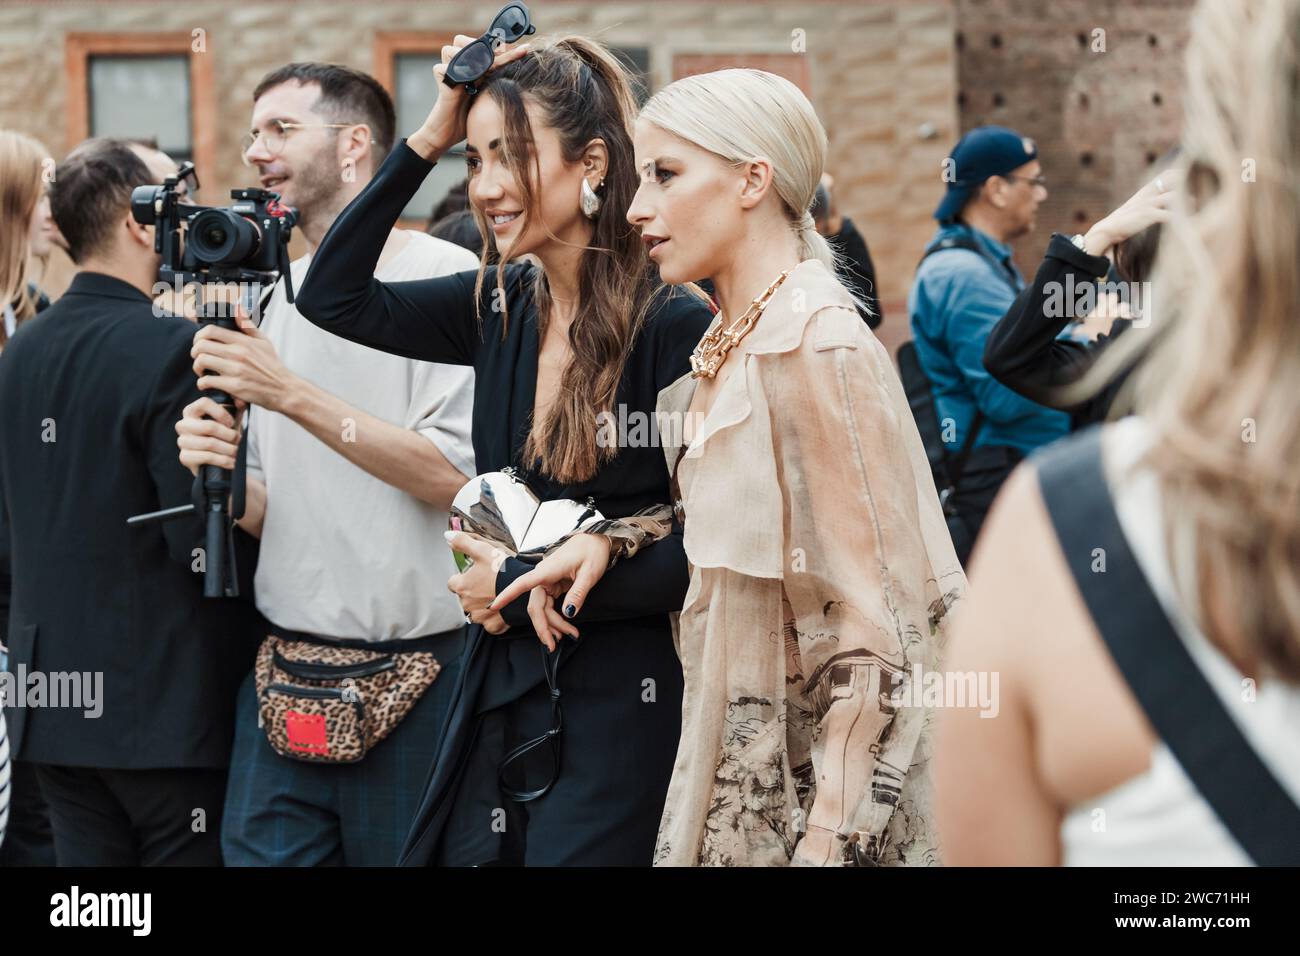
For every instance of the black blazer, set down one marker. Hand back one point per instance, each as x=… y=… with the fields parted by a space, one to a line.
x=91 y=391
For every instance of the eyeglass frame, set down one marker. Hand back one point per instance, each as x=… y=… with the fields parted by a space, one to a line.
x=1039 y=180
x=251 y=138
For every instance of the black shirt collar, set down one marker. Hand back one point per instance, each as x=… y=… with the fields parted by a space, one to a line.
x=105 y=286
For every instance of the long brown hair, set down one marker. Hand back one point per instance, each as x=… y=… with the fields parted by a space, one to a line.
x=583 y=93
x=21 y=184
x=1220 y=363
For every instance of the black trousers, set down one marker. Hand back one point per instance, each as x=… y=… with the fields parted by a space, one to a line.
x=986 y=470
x=28 y=841
x=621 y=711
x=165 y=817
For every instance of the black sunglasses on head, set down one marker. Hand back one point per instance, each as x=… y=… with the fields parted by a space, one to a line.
x=474 y=60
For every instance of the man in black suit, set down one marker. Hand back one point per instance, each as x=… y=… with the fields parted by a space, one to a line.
x=135 y=770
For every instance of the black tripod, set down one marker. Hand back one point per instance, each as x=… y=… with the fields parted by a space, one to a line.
x=219 y=572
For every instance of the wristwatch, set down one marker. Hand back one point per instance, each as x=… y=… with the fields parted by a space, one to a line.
x=1077 y=239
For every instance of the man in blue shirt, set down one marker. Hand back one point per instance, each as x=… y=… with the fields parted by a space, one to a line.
x=966 y=282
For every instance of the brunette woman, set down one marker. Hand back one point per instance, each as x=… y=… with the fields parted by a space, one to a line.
x=555 y=347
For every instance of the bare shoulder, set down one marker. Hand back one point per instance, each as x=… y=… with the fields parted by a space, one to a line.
x=1025 y=617
x=1017 y=582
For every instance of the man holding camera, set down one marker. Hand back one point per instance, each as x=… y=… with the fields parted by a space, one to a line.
x=348 y=490
x=123 y=675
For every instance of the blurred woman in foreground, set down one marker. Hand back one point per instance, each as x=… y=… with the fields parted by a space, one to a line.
x=1138 y=587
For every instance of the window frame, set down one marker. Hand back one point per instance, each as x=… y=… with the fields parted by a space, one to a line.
x=388 y=46
x=80 y=47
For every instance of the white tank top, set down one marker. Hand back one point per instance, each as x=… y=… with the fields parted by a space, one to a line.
x=1159 y=818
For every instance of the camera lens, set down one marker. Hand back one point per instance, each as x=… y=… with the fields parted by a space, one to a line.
x=221 y=237
x=144 y=204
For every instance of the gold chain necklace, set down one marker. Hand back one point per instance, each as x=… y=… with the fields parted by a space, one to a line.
x=713 y=348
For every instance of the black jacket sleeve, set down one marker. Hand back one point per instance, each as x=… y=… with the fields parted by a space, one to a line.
x=433 y=320
x=174 y=388
x=859 y=273
x=1023 y=351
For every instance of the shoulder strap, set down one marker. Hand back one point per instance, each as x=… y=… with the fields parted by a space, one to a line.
x=1178 y=700
x=955 y=465
x=971 y=244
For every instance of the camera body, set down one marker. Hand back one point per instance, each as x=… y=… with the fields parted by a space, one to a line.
x=246 y=241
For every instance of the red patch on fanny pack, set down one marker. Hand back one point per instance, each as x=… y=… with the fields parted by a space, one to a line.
x=306 y=733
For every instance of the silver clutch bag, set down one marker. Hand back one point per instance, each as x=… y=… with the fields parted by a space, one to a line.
x=500 y=507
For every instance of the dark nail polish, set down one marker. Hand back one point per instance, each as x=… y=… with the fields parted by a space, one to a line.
x=570 y=610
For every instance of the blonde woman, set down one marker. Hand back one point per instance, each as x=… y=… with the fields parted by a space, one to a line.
x=821 y=569
x=1138 y=589
x=26 y=227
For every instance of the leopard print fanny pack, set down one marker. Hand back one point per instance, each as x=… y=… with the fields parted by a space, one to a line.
x=328 y=704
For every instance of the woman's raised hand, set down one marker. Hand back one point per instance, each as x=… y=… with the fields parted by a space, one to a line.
x=1146 y=207
x=445 y=125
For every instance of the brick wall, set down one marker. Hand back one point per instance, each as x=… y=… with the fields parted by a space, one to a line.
x=895 y=81
x=1101 y=117
x=877 y=72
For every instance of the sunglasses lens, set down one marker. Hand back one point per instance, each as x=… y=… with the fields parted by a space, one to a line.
x=471 y=63
x=512 y=23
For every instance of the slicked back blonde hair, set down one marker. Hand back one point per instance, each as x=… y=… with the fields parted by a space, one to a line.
x=740 y=114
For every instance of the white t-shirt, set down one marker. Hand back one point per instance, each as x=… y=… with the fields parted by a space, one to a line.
x=344 y=554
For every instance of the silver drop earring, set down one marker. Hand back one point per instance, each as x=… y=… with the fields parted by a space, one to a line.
x=588 y=199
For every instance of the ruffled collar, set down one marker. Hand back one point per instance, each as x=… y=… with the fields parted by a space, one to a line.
x=808 y=289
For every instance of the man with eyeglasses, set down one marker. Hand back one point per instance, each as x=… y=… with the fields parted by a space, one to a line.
x=354 y=456
x=965 y=283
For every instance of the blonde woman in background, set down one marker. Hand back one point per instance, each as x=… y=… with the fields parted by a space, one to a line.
x=1138 y=589
x=26 y=228
x=821 y=568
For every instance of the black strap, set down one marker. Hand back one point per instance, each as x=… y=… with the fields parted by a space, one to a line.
x=550 y=739
x=965 y=240
x=955 y=466
x=239 y=477
x=1183 y=709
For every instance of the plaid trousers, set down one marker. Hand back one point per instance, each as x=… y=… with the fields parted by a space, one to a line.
x=284 y=812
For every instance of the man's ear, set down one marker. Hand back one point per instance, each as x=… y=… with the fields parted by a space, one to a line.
x=756 y=180
x=595 y=161
x=138 y=234
x=995 y=191
x=355 y=150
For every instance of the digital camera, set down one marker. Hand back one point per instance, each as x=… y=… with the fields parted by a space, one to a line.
x=245 y=241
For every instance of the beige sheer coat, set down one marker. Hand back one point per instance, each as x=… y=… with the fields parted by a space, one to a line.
x=821 y=577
